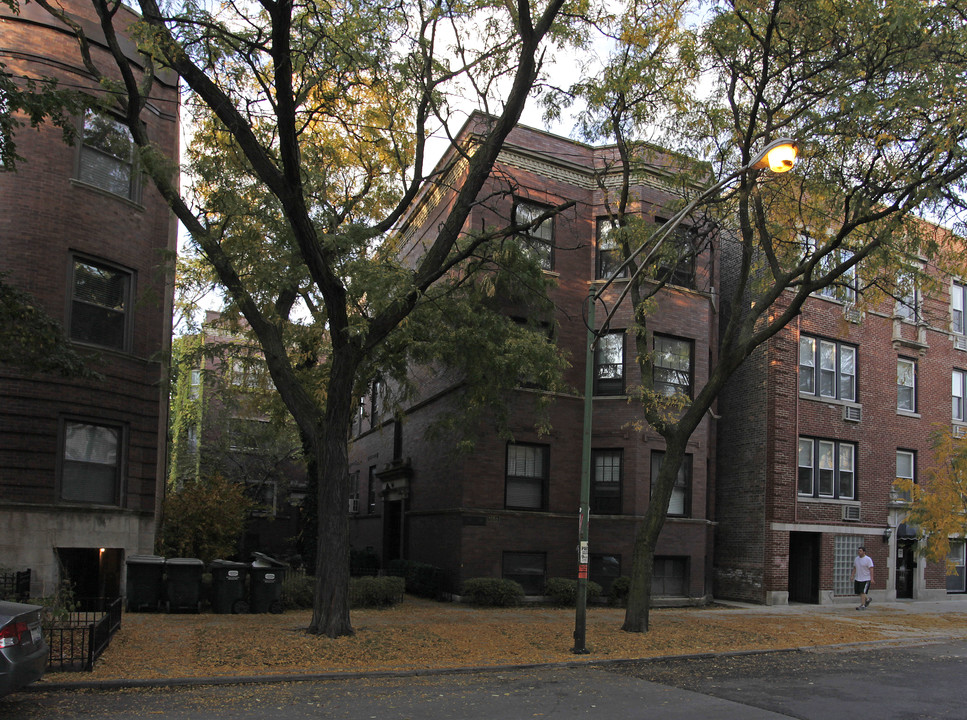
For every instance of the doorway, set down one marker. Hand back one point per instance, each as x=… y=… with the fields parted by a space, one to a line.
x=91 y=572
x=905 y=568
x=804 y=554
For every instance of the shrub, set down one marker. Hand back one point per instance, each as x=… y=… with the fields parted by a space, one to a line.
x=422 y=579
x=375 y=592
x=564 y=591
x=493 y=592
x=619 y=590
x=297 y=590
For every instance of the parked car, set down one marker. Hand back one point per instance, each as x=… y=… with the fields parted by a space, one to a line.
x=23 y=649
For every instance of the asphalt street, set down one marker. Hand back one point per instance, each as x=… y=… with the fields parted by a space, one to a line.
x=925 y=682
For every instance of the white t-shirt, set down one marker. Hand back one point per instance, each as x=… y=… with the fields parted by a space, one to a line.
x=862 y=566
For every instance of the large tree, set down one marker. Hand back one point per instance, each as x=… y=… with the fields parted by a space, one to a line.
x=313 y=125
x=871 y=91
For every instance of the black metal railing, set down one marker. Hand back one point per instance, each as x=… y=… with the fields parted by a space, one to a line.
x=78 y=639
x=15 y=585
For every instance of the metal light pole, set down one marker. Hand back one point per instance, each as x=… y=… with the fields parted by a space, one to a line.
x=778 y=156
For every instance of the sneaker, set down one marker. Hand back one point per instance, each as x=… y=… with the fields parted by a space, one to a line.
x=868 y=601
x=861 y=607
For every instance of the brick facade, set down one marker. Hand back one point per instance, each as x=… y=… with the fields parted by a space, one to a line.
x=51 y=219
x=452 y=511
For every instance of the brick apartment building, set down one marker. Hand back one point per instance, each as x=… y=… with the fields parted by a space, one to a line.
x=510 y=509
x=82 y=461
x=221 y=423
x=817 y=425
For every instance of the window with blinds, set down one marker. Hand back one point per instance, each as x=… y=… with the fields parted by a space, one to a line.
x=91 y=467
x=107 y=159
x=101 y=297
x=526 y=480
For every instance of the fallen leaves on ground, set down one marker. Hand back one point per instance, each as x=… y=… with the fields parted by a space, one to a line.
x=421 y=634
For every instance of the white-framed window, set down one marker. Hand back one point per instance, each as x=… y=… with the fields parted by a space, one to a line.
x=827 y=368
x=908 y=297
x=539 y=240
x=354 y=493
x=194 y=386
x=827 y=469
x=958 y=299
x=100 y=304
x=91 y=456
x=958 y=385
x=672 y=366
x=844 y=551
x=527 y=475
x=107 y=156
x=843 y=289
x=957 y=556
x=608 y=257
x=609 y=364
x=676 y=264
x=606 y=482
x=906 y=384
x=680 y=503
x=906 y=468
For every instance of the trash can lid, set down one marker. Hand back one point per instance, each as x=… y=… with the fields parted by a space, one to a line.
x=145 y=560
x=183 y=561
x=263 y=560
x=228 y=564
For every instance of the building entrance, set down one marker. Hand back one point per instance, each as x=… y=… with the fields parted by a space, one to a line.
x=804 y=567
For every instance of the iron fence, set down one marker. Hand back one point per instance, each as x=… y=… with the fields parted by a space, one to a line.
x=15 y=585
x=78 y=639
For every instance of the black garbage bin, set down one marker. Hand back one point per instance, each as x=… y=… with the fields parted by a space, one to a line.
x=228 y=587
x=183 y=584
x=145 y=583
x=265 y=584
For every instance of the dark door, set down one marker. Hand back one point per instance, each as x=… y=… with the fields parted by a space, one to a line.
x=905 y=565
x=392 y=530
x=804 y=567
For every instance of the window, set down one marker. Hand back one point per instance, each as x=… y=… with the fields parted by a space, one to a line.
x=827 y=368
x=100 y=302
x=906 y=385
x=672 y=366
x=354 y=493
x=91 y=463
x=107 y=156
x=606 y=482
x=905 y=470
x=539 y=240
x=668 y=577
x=844 y=551
x=264 y=496
x=676 y=264
x=957 y=557
x=604 y=570
x=375 y=403
x=194 y=387
x=908 y=297
x=958 y=295
x=843 y=288
x=957 y=387
x=681 y=501
x=371 y=492
x=827 y=469
x=528 y=569
x=609 y=364
x=527 y=472
x=609 y=256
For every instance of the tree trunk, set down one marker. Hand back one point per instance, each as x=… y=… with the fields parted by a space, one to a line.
x=330 y=610
x=646 y=539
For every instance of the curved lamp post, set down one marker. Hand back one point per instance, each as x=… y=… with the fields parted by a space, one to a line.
x=778 y=156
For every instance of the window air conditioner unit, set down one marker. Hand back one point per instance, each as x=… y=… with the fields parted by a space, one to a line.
x=960 y=342
x=853 y=413
x=354 y=506
x=851 y=512
x=852 y=314
x=959 y=431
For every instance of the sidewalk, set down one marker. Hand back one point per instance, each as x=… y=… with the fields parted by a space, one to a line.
x=424 y=637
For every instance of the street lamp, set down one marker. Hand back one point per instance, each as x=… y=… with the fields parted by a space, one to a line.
x=778 y=156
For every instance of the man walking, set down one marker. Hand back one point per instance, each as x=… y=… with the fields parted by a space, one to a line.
x=862 y=577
